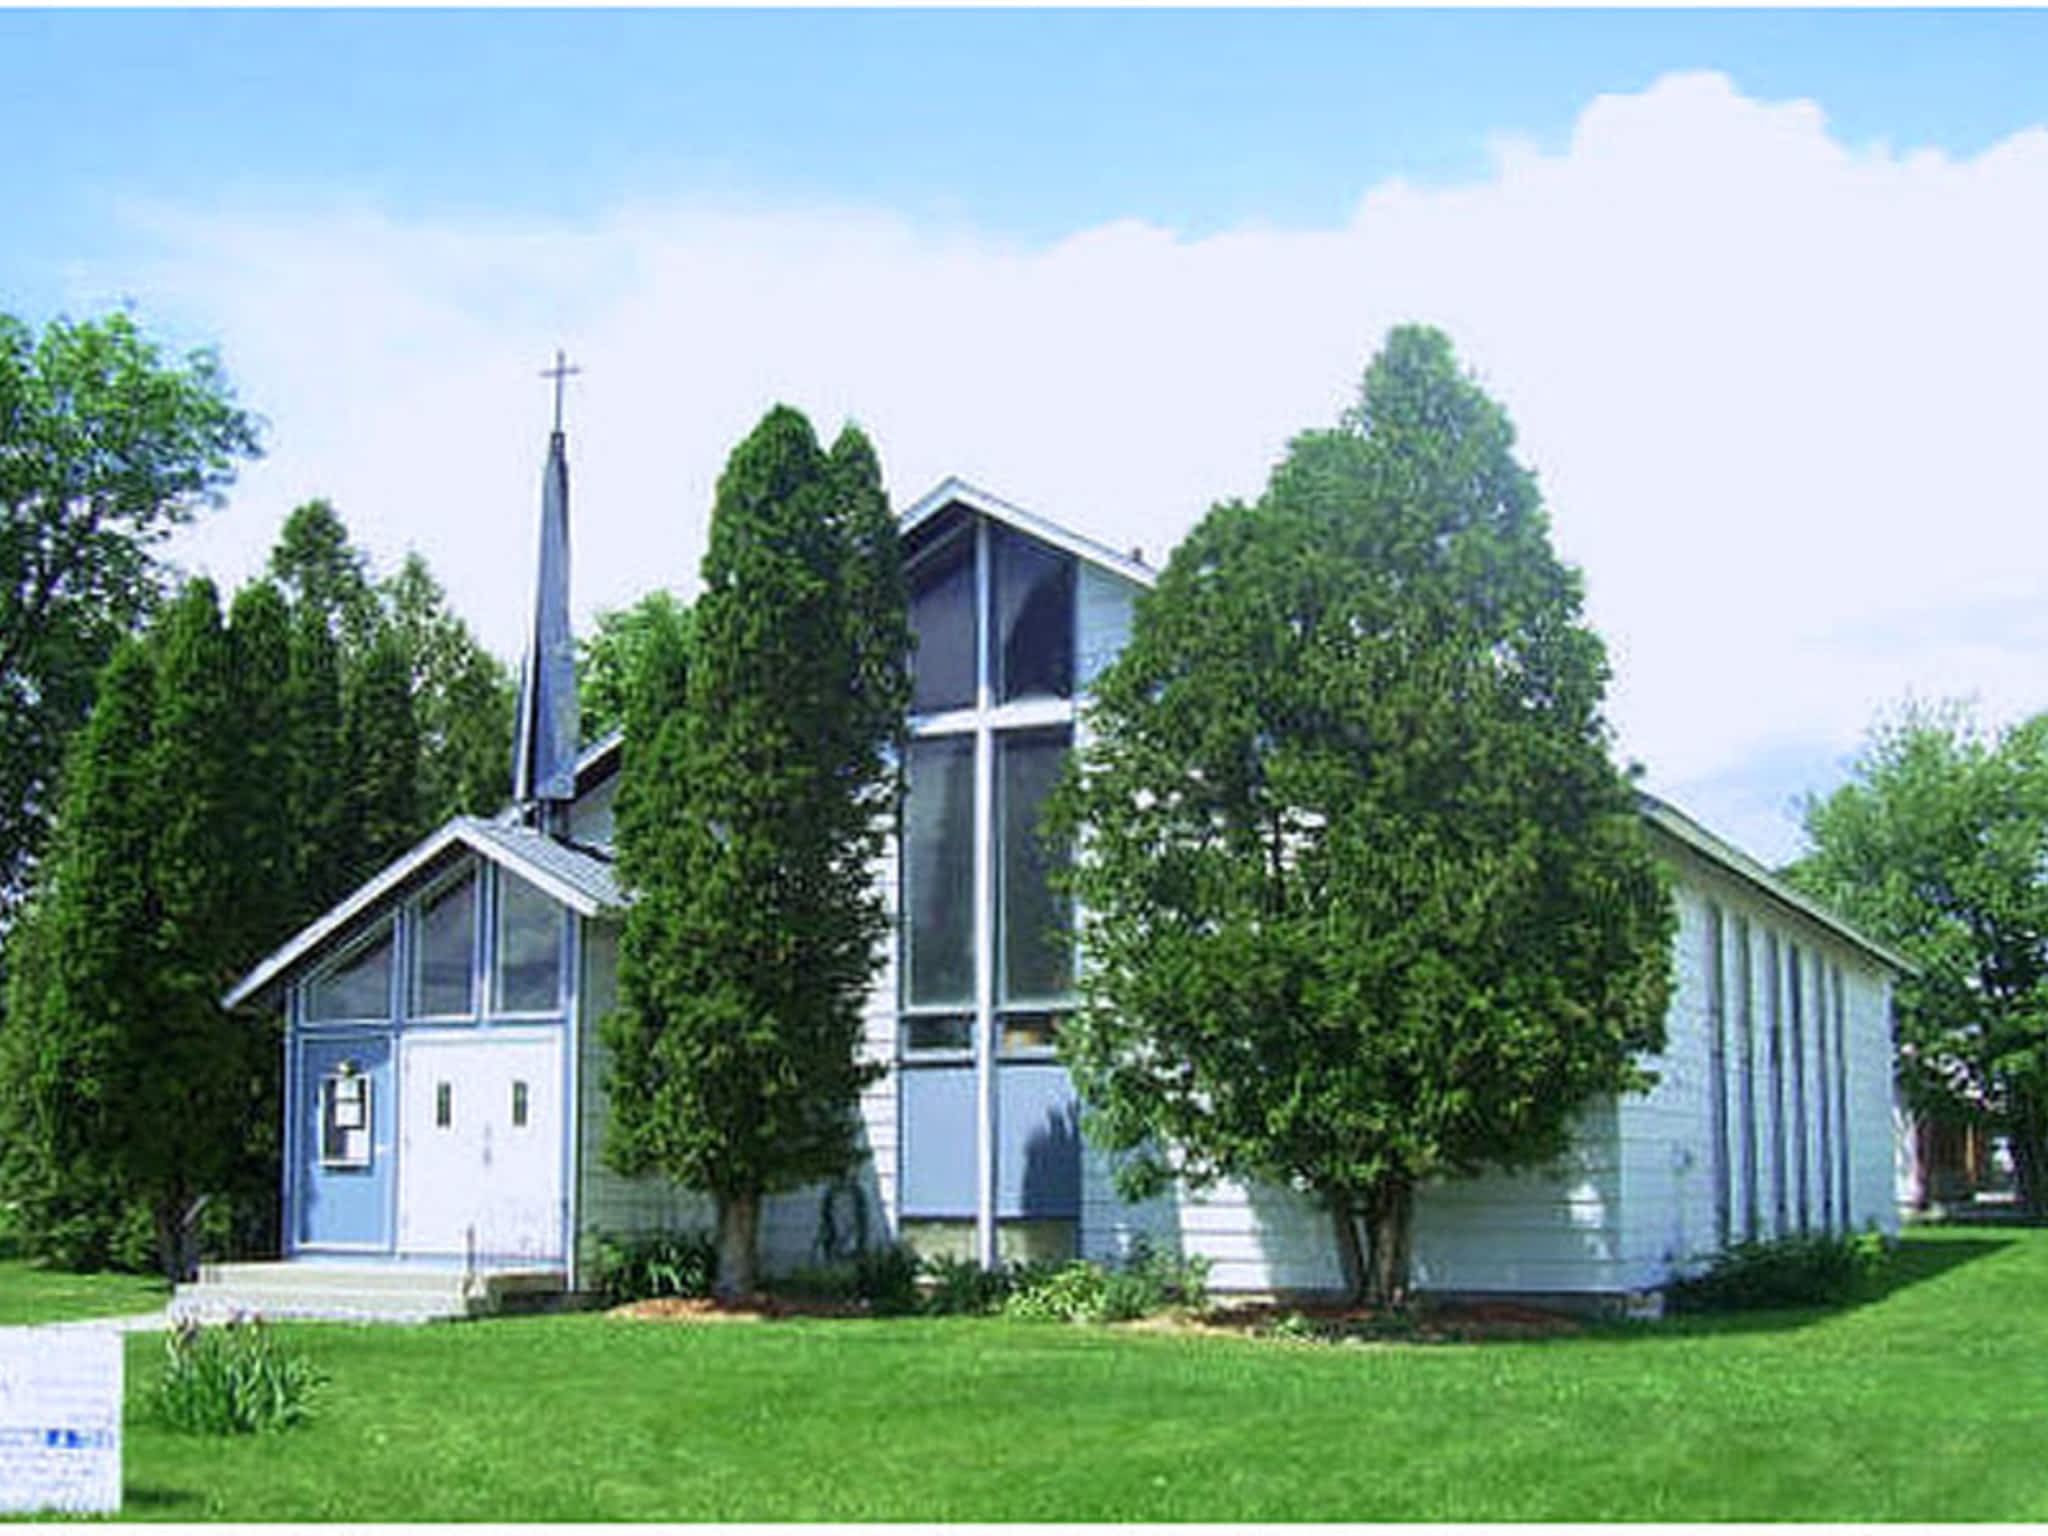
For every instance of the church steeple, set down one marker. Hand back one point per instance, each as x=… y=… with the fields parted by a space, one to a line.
x=544 y=750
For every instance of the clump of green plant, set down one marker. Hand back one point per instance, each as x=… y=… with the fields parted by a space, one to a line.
x=1073 y=1292
x=956 y=1287
x=236 y=1378
x=1080 y=1292
x=885 y=1280
x=1292 y=1328
x=1814 y=1270
x=1173 y=1280
x=627 y=1269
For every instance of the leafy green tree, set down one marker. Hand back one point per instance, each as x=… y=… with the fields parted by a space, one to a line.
x=265 y=907
x=380 y=748
x=610 y=658
x=1365 y=903
x=756 y=810
x=1937 y=845
x=105 y=446
x=463 y=698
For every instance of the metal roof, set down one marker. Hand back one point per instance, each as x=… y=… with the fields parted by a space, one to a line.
x=580 y=878
x=1674 y=823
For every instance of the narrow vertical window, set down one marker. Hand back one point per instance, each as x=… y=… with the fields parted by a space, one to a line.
x=1842 y=1098
x=530 y=929
x=938 y=873
x=1034 y=619
x=1745 y=1024
x=1035 y=949
x=1780 y=1201
x=1823 y=1096
x=1717 y=1071
x=444 y=1106
x=356 y=987
x=942 y=619
x=1794 y=976
x=518 y=1103
x=444 y=953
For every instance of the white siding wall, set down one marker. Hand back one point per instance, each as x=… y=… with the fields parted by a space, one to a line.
x=608 y=1203
x=1103 y=622
x=1667 y=1149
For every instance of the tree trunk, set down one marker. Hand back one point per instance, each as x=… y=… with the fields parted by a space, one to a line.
x=1389 y=1208
x=739 y=1228
x=2027 y=1130
x=1350 y=1252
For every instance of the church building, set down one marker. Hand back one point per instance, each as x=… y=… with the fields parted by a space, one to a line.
x=445 y=1102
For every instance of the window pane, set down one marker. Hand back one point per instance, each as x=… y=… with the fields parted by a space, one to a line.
x=938 y=871
x=358 y=988
x=942 y=617
x=939 y=1032
x=444 y=955
x=529 y=949
x=1026 y=1032
x=1037 y=957
x=1034 y=605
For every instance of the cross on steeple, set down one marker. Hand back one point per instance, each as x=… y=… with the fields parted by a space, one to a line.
x=562 y=369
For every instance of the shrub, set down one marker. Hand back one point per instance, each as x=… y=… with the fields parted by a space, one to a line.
x=234 y=1379
x=962 y=1288
x=1179 y=1281
x=662 y=1264
x=1075 y=1292
x=883 y=1278
x=1816 y=1270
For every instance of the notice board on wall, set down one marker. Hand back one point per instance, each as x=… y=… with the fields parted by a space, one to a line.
x=60 y=1420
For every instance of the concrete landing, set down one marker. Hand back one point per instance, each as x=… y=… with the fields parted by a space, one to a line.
x=359 y=1293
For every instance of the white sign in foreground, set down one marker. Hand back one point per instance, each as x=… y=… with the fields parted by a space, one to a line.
x=60 y=1420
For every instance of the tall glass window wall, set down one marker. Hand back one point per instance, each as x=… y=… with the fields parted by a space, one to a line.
x=987 y=954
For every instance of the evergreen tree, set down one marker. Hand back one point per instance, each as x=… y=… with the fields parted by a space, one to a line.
x=1364 y=902
x=265 y=908
x=316 y=771
x=322 y=572
x=188 y=1075
x=750 y=838
x=83 y=980
x=380 y=750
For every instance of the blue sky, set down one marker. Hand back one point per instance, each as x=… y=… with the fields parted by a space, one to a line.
x=1761 y=289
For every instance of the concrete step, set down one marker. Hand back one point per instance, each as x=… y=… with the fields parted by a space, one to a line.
x=357 y=1292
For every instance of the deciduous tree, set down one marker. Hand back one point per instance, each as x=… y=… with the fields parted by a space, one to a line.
x=105 y=446
x=1938 y=844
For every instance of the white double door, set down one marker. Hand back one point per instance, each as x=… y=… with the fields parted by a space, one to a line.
x=480 y=1147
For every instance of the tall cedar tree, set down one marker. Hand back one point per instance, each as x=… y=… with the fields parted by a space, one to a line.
x=316 y=773
x=380 y=747
x=190 y=1097
x=84 y=982
x=322 y=572
x=1937 y=844
x=105 y=446
x=1365 y=903
x=749 y=841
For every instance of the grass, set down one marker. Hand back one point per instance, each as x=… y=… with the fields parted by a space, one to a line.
x=29 y=1294
x=1925 y=1404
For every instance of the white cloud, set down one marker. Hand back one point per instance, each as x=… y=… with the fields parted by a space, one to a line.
x=1782 y=392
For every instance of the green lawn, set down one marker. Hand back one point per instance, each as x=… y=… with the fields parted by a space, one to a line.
x=1927 y=1405
x=29 y=1294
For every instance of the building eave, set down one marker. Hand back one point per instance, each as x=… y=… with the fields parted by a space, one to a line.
x=1731 y=860
x=462 y=831
x=954 y=491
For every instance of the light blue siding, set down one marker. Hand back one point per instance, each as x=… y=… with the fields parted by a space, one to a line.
x=1038 y=1142
x=346 y=1207
x=937 y=1138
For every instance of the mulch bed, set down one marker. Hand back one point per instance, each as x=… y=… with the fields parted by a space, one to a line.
x=1446 y=1324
